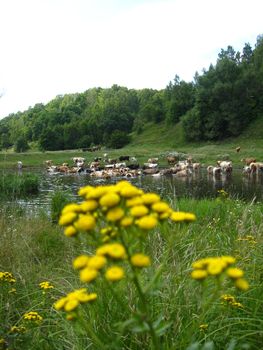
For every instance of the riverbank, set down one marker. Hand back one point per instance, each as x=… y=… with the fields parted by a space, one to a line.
x=35 y=250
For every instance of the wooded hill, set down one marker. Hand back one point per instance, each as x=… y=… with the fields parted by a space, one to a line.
x=219 y=103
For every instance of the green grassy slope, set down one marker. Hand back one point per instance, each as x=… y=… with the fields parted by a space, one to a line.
x=157 y=140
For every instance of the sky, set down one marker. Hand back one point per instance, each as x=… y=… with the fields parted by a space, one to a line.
x=56 y=47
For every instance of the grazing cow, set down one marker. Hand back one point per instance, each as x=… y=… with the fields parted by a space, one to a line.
x=153 y=160
x=248 y=161
x=122 y=158
x=172 y=160
x=256 y=167
x=196 y=166
x=226 y=166
x=133 y=166
x=214 y=170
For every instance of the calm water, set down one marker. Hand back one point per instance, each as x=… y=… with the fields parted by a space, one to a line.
x=198 y=186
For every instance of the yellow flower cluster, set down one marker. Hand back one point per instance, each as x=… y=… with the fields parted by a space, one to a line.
x=121 y=205
x=32 y=316
x=74 y=299
x=45 y=285
x=7 y=277
x=90 y=266
x=230 y=299
x=18 y=329
x=216 y=266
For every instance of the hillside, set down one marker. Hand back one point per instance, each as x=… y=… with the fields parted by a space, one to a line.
x=160 y=139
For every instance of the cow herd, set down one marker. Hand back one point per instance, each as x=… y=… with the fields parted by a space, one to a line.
x=128 y=166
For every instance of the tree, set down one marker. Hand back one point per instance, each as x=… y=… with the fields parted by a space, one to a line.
x=21 y=145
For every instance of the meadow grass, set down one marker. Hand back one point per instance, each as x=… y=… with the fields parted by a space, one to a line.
x=35 y=250
x=156 y=140
x=17 y=185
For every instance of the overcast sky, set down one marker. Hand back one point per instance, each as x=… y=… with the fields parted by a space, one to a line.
x=52 y=47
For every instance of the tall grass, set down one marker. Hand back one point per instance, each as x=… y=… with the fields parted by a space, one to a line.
x=34 y=250
x=17 y=185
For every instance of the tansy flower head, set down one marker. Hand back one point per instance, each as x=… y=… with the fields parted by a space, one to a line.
x=45 y=285
x=115 y=214
x=150 y=198
x=67 y=218
x=140 y=260
x=80 y=262
x=70 y=231
x=89 y=205
x=110 y=200
x=85 y=223
x=139 y=210
x=147 y=222
x=235 y=272
x=32 y=316
x=161 y=207
x=114 y=273
x=88 y=275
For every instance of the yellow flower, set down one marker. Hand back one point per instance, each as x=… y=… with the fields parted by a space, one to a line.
x=67 y=218
x=147 y=222
x=109 y=200
x=114 y=273
x=229 y=259
x=32 y=316
x=45 y=285
x=71 y=305
x=97 y=262
x=241 y=284
x=150 y=198
x=70 y=208
x=177 y=216
x=96 y=192
x=116 y=251
x=161 y=207
x=83 y=191
x=139 y=210
x=89 y=205
x=129 y=191
x=234 y=272
x=199 y=274
x=115 y=214
x=59 y=304
x=70 y=231
x=189 y=217
x=85 y=223
x=134 y=201
x=215 y=268
x=80 y=262
x=88 y=275
x=126 y=221
x=229 y=298
x=140 y=260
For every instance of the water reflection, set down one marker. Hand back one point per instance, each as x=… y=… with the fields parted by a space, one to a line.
x=199 y=185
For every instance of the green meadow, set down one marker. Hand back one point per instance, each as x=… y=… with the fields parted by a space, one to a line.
x=160 y=304
x=185 y=313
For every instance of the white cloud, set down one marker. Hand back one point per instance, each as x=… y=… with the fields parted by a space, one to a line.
x=63 y=46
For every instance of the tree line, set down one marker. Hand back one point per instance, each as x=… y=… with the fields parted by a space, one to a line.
x=219 y=103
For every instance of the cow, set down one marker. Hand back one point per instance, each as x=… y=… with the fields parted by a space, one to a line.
x=19 y=165
x=172 y=160
x=248 y=161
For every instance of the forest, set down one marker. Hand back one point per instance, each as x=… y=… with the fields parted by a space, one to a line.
x=219 y=103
